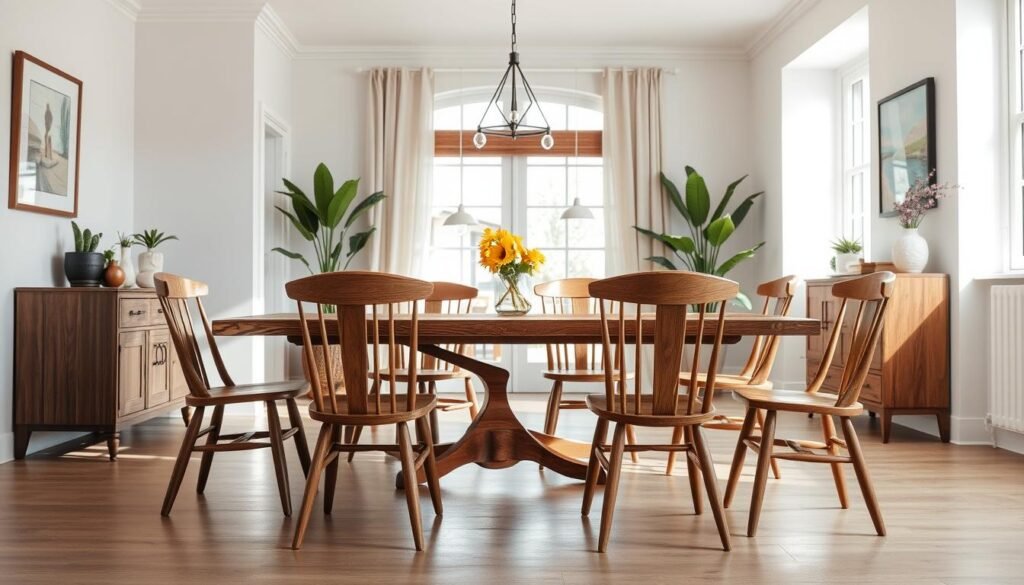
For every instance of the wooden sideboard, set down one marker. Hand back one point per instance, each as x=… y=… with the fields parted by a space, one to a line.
x=910 y=370
x=91 y=359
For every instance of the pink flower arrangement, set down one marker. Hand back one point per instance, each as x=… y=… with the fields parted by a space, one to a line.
x=921 y=197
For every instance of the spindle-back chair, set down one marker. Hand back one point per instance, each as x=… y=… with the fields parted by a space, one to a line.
x=362 y=405
x=174 y=293
x=671 y=294
x=872 y=294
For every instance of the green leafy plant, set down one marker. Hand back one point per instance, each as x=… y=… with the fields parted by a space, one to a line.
x=320 y=220
x=708 y=230
x=125 y=240
x=85 y=241
x=108 y=256
x=152 y=238
x=845 y=246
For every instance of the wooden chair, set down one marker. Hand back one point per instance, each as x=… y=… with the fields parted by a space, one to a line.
x=778 y=298
x=352 y=293
x=872 y=292
x=672 y=294
x=174 y=293
x=568 y=362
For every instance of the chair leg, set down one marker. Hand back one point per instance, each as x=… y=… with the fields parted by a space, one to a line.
x=677 y=439
x=353 y=439
x=775 y=463
x=611 y=486
x=861 y=468
x=280 y=463
x=693 y=472
x=828 y=429
x=764 y=456
x=211 y=439
x=474 y=407
x=551 y=415
x=711 y=483
x=412 y=494
x=739 y=456
x=331 y=477
x=435 y=427
x=301 y=446
x=594 y=467
x=430 y=467
x=181 y=463
x=631 y=440
x=316 y=466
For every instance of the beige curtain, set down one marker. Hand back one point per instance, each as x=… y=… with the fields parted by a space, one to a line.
x=400 y=112
x=632 y=163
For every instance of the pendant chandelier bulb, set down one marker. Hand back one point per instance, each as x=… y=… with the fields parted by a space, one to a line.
x=547 y=142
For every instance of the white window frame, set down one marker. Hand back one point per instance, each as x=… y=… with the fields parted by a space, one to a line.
x=1015 y=119
x=857 y=71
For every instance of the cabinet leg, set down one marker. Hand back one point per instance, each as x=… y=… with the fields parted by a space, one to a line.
x=886 y=425
x=943 y=425
x=871 y=414
x=113 y=443
x=186 y=415
x=22 y=433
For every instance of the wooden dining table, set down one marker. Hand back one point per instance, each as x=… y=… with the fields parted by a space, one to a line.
x=496 y=438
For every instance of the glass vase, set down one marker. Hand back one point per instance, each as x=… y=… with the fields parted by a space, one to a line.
x=510 y=294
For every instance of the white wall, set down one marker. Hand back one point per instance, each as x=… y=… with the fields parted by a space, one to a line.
x=94 y=42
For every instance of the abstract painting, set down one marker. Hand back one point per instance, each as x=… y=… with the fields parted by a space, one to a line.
x=906 y=141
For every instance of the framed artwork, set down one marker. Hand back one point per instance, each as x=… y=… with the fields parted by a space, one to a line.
x=46 y=123
x=906 y=142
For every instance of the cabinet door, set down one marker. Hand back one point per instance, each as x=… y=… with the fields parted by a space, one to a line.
x=131 y=372
x=158 y=390
x=179 y=387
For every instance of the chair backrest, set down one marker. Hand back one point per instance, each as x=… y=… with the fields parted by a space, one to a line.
x=448 y=298
x=778 y=299
x=174 y=293
x=672 y=294
x=351 y=293
x=569 y=296
x=872 y=293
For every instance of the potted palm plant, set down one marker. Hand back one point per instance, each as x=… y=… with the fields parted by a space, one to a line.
x=150 y=261
x=84 y=266
x=847 y=255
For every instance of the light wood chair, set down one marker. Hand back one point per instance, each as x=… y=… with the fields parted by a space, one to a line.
x=872 y=293
x=174 y=293
x=672 y=294
x=778 y=299
x=352 y=293
x=571 y=362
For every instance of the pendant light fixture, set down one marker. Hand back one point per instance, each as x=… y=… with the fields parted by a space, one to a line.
x=460 y=218
x=577 y=211
x=513 y=125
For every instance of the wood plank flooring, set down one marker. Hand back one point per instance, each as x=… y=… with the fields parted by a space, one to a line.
x=955 y=516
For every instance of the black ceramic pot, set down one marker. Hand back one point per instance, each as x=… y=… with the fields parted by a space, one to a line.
x=84 y=268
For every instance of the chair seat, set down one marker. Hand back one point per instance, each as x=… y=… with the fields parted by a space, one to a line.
x=598 y=404
x=727 y=381
x=424 y=404
x=574 y=375
x=249 y=393
x=402 y=375
x=798 y=401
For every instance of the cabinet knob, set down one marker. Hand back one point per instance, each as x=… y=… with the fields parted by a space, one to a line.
x=136 y=313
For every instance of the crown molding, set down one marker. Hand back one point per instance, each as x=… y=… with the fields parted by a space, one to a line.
x=271 y=24
x=211 y=11
x=779 y=25
x=129 y=8
x=614 y=55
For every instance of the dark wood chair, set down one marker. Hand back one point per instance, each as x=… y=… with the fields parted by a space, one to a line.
x=872 y=293
x=672 y=294
x=352 y=293
x=778 y=299
x=174 y=293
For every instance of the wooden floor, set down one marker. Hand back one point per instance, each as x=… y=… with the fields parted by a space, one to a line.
x=955 y=516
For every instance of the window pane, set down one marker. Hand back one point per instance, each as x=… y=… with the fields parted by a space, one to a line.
x=589 y=186
x=586 y=264
x=545 y=185
x=857 y=146
x=446 y=186
x=587 y=233
x=485 y=217
x=585 y=119
x=445 y=236
x=482 y=186
x=446 y=118
x=553 y=268
x=857 y=99
x=545 y=161
x=544 y=228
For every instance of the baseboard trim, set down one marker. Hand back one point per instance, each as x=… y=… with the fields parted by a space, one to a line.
x=1009 y=440
x=970 y=431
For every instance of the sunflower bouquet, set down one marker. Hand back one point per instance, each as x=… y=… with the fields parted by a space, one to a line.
x=505 y=256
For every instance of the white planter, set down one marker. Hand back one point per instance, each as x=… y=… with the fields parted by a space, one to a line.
x=847 y=263
x=149 y=264
x=128 y=266
x=910 y=252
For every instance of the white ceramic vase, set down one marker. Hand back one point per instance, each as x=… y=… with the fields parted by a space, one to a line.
x=149 y=264
x=846 y=263
x=910 y=252
x=128 y=266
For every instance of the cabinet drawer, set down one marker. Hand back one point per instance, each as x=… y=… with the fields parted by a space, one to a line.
x=872 y=389
x=156 y=313
x=135 y=312
x=832 y=380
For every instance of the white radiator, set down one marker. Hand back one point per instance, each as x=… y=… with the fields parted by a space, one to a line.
x=1006 y=386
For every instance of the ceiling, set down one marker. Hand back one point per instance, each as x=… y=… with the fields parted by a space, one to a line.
x=677 y=24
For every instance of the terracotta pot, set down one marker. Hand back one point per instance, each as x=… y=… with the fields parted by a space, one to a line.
x=114 y=275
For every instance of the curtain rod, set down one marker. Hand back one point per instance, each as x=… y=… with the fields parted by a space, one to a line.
x=666 y=71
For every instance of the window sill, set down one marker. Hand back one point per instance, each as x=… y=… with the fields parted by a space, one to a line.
x=1019 y=275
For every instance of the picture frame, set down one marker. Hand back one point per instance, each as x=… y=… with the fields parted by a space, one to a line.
x=46 y=132
x=906 y=142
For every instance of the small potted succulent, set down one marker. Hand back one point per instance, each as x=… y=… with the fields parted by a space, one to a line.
x=847 y=255
x=150 y=262
x=84 y=266
x=113 y=274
